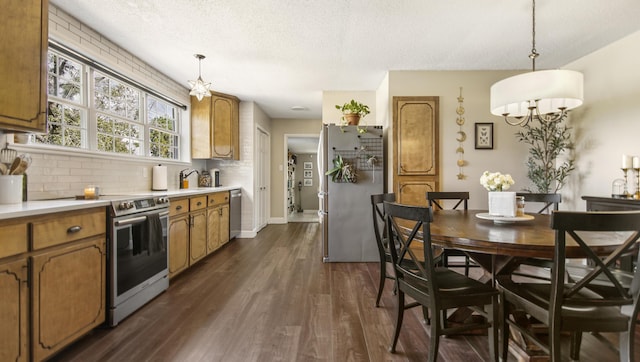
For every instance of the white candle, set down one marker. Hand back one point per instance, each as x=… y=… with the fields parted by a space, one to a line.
x=626 y=161
x=636 y=162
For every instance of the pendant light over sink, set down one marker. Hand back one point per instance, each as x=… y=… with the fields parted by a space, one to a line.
x=545 y=95
x=199 y=88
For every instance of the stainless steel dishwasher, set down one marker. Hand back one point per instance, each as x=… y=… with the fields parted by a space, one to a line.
x=235 y=207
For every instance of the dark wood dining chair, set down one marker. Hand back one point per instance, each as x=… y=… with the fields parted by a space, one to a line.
x=436 y=288
x=596 y=300
x=436 y=200
x=382 y=241
x=550 y=202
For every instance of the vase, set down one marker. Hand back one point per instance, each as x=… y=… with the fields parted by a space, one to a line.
x=502 y=203
x=353 y=119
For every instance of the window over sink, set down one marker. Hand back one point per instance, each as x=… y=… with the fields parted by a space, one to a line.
x=94 y=110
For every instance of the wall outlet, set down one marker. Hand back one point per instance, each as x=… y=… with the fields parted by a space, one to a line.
x=145 y=172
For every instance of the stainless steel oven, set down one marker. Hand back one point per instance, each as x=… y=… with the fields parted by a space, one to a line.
x=138 y=254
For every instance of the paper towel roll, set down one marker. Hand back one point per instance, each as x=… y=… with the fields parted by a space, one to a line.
x=159 y=178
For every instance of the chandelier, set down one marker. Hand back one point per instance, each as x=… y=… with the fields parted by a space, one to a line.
x=544 y=95
x=198 y=87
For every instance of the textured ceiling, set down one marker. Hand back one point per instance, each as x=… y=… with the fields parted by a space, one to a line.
x=284 y=53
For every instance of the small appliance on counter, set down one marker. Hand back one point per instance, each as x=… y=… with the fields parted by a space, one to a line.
x=204 y=179
x=215 y=174
x=159 y=178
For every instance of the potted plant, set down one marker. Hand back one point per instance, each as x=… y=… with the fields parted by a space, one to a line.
x=342 y=171
x=353 y=111
x=547 y=140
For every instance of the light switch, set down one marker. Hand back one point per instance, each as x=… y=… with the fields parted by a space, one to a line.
x=145 y=172
x=280 y=167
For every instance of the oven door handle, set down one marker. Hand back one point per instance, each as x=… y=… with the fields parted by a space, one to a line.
x=136 y=220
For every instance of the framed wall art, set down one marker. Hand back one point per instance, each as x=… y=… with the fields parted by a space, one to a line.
x=308 y=165
x=308 y=174
x=484 y=136
x=308 y=182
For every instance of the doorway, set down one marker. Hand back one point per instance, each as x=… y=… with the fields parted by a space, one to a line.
x=301 y=181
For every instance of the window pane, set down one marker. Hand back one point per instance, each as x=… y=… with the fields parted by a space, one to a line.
x=65 y=126
x=64 y=78
x=116 y=98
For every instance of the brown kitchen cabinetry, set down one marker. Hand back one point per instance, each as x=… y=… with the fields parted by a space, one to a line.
x=198 y=229
x=415 y=151
x=215 y=127
x=14 y=291
x=52 y=281
x=217 y=220
x=23 y=65
x=179 y=221
x=68 y=294
x=14 y=306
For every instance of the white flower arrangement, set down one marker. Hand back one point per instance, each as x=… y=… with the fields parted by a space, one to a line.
x=495 y=181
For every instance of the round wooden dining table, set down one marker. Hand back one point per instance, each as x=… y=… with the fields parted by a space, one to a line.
x=463 y=230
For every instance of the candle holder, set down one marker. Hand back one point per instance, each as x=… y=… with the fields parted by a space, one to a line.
x=626 y=193
x=637 y=194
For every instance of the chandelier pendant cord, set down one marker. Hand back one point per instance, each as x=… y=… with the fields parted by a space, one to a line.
x=534 y=53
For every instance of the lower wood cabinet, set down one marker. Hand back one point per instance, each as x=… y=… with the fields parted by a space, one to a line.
x=14 y=305
x=198 y=236
x=68 y=294
x=217 y=220
x=178 y=244
x=52 y=281
x=197 y=226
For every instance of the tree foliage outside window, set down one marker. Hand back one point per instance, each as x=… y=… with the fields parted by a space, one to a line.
x=67 y=114
x=117 y=110
x=163 y=133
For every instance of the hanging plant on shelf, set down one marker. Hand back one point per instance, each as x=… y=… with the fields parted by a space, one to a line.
x=342 y=171
x=547 y=141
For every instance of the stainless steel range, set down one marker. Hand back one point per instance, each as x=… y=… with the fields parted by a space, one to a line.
x=138 y=253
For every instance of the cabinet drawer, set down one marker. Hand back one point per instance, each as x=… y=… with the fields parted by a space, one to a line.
x=66 y=227
x=218 y=198
x=197 y=203
x=177 y=207
x=13 y=239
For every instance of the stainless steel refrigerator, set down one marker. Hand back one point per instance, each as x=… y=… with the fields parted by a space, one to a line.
x=345 y=207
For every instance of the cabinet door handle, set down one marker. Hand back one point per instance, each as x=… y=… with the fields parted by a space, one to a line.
x=199 y=203
x=179 y=207
x=74 y=229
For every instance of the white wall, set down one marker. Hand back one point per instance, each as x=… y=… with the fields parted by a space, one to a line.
x=607 y=125
x=280 y=128
x=332 y=98
x=507 y=156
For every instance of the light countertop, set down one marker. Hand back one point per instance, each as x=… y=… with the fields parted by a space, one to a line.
x=32 y=208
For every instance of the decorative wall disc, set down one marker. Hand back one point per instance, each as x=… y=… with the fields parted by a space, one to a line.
x=461 y=137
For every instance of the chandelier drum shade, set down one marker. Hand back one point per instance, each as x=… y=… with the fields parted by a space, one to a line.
x=199 y=88
x=549 y=90
x=544 y=95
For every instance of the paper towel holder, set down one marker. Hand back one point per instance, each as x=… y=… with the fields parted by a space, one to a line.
x=159 y=178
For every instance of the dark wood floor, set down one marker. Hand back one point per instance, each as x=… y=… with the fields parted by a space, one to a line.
x=272 y=299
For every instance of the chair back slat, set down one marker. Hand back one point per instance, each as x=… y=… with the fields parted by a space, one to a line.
x=379 y=228
x=550 y=201
x=405 y=225
x=579 y=227
x=436 y=197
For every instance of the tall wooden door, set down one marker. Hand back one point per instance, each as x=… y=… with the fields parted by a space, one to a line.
x=415 y=148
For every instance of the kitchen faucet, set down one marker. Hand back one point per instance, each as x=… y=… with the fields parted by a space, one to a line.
x=184 y=183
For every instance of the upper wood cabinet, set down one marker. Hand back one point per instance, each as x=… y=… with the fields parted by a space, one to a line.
x=23 y=65
x=215 y=127
x=415 y=148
